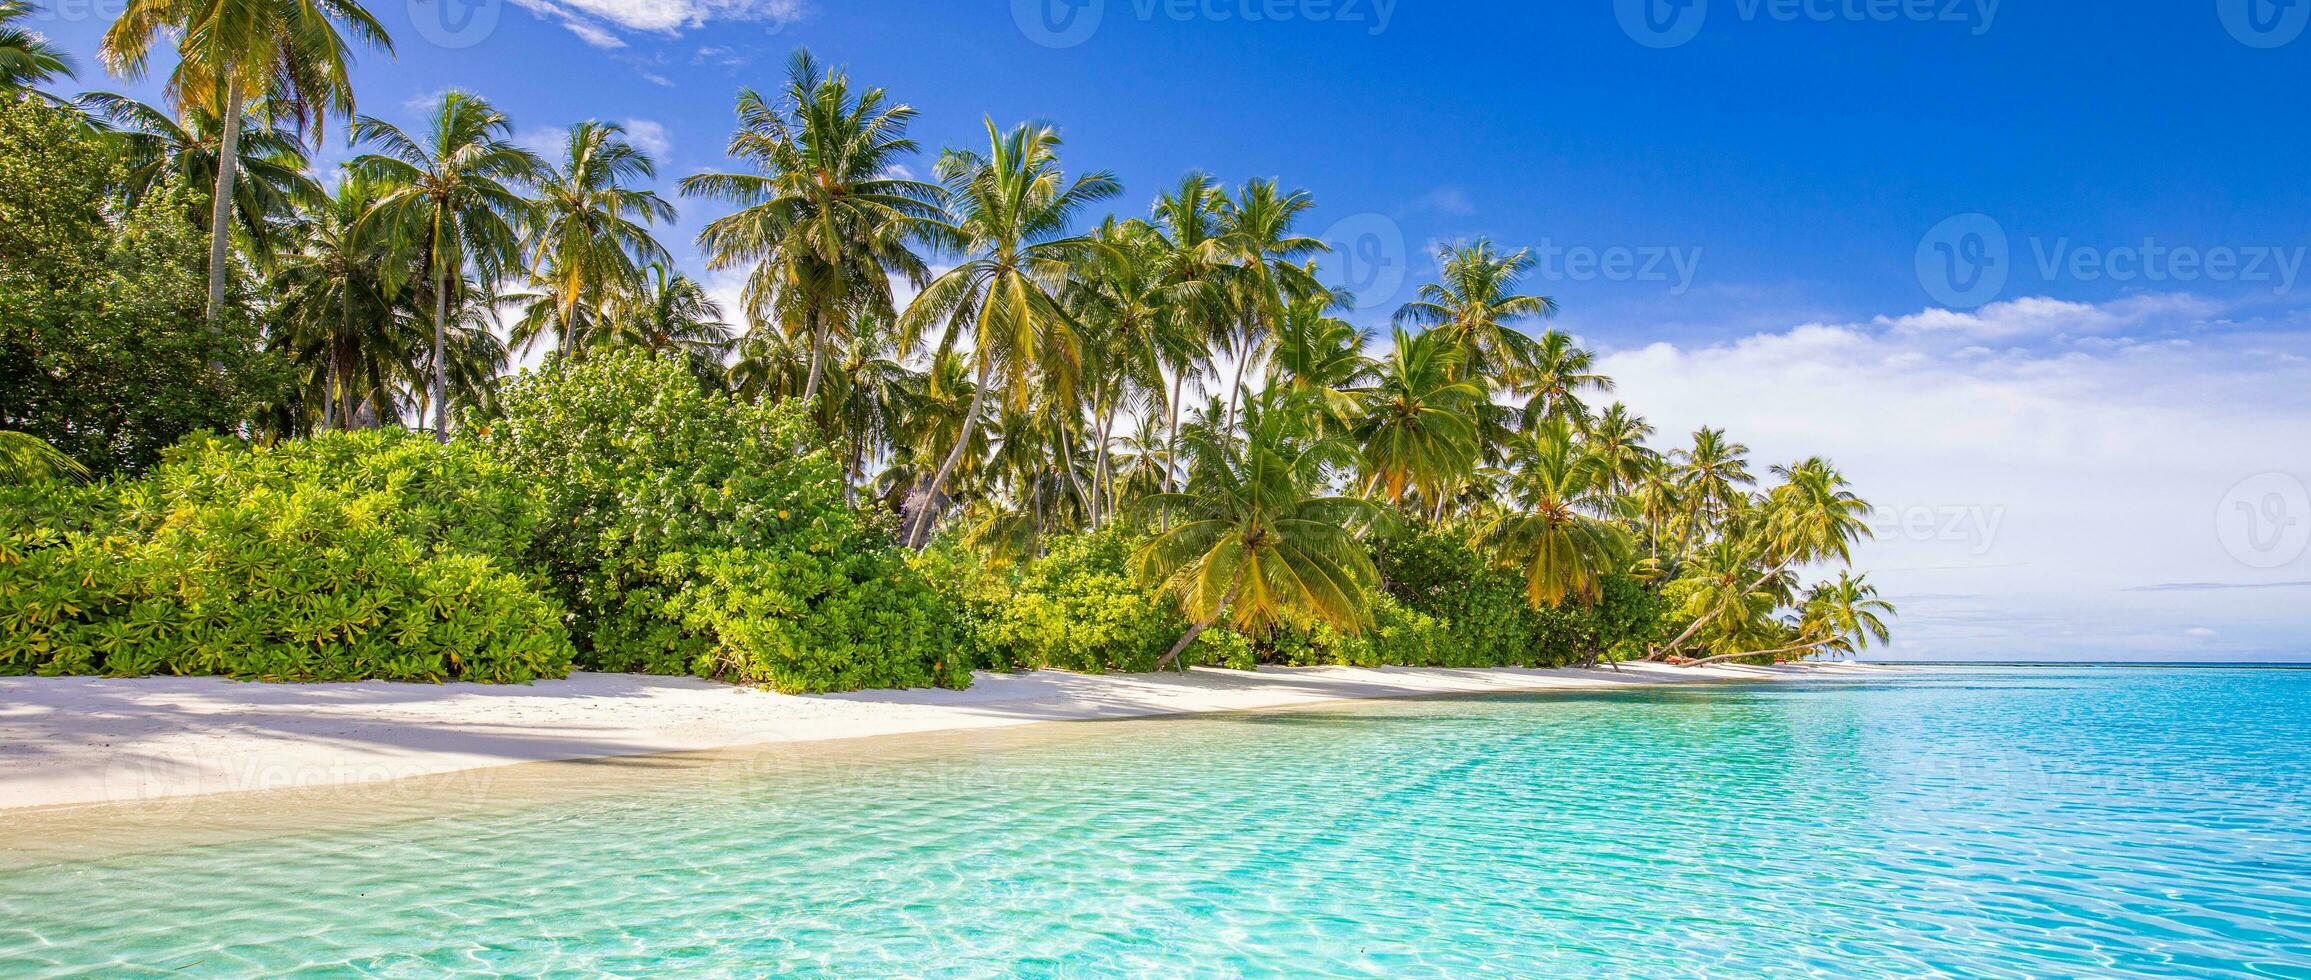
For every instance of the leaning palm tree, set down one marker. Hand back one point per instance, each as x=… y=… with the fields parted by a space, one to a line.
x=1011 y=211
x=824 y=220
x=589 y=234
x=454 y=201
x=1252 y=541
x=156 y=148
x=1728 y=593
x=27 y=59
x=1813 y=516
x=1557 y=534
x=1475 y=302
x=1417 y=425
x=293 y=55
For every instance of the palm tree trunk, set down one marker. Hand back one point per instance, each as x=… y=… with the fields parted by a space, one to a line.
x=344 y=365
x=1671 y=646
x=818 y=345
x=1172 y=442
x=221 y=208
x=1099 y=478
x=921 y=533
x=1197 y=630
x=440 y=363
x=1243 y=360
x=1760 y=653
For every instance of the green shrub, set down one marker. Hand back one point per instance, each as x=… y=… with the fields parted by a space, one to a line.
x=346 y=557
x=1076 y=608
x=690 y=532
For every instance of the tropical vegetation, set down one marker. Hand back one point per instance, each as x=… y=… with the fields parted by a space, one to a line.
x=263 y=421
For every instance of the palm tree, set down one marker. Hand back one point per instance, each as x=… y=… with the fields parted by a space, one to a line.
x=1555 y=373
x=1710 y=477
x=1010 y=212
x=1475 y=303
x=1657 y=500
x=1812 y=516
x=670 y=313
x=1417 y=427
x=1845 y=616
x=343 y=323
x=1321 y=358
x=1253 y=542
x=586 y=245
x=1617 y=438
x=1557 y=534
x=1272 y=262
x=27 y=59
x=454 y=202
x=1197 y=280
x=294 y=55
x=156 y=148
x=1730 y=594
x=1120 y=298
x=824 y=221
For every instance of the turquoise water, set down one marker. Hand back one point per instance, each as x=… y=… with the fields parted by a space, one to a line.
x=1971 y=822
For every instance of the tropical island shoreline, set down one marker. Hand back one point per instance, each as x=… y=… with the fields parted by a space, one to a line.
x=67 y=741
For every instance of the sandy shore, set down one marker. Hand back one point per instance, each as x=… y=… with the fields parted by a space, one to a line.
x=74 y=740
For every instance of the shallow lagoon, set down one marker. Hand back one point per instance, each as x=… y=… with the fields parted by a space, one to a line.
x=1970 y=821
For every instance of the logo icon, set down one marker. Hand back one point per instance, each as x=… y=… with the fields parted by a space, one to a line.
x=1964 y=261
x=1058 y=23
x=1368 y=259
x=455 y=24
x=2264 y=23
x=2265 y=521
x=1661 y=23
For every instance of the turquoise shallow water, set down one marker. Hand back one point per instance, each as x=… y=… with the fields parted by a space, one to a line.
x=1971 y=822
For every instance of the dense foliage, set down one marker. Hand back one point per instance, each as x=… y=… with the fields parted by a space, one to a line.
x=1089 y=443
x=345 y=557
x=691 y=532
x=104 y=349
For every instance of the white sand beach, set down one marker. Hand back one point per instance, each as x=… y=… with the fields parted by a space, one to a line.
x=80 y=740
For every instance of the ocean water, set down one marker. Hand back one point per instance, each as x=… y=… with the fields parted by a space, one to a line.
x=1973 y=822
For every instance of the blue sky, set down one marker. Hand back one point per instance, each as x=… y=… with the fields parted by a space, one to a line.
x=2030 y=270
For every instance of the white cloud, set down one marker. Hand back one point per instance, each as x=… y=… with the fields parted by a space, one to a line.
x=1447 y=200
x=651 y=137
x=2023 y=486
x=597 y=21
